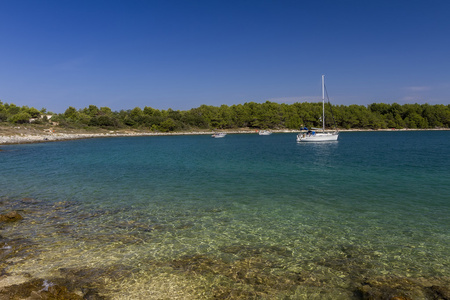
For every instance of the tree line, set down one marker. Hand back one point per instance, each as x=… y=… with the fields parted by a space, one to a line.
x=267 y=115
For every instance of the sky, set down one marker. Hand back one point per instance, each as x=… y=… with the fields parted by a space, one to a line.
x=182 y=54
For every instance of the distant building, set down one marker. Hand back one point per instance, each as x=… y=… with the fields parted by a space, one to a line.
x=32 y=120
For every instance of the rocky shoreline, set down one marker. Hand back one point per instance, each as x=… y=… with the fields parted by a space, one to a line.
x=25 y=135
x=34 y=137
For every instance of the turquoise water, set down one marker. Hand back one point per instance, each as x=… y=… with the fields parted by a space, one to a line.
x=246 y=216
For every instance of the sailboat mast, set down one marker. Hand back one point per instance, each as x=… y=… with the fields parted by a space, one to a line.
x=323 y=102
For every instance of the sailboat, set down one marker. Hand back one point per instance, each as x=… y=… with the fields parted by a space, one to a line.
x=311 y=135
x=265 y=132
x=218 y=135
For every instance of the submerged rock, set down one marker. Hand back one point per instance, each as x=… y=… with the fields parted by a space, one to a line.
x=251 y=277
x=12 y=216
x=29 y=201
x=400 y=288
x=439 y=292
x=35 y=289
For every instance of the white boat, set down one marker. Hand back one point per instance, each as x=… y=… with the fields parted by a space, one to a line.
x=218 y=135
x=264 y=132
x=313 y=136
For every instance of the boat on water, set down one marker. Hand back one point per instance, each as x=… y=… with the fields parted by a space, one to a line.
x=310 y=135
x=265 y=132
x=218 y=135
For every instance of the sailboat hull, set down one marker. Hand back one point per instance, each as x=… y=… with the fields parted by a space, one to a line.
x=318 y=137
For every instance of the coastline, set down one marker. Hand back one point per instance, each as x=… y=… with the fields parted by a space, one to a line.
x=53 y=137
x=28 y=135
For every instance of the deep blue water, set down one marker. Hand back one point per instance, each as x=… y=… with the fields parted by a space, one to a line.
x=372 y=204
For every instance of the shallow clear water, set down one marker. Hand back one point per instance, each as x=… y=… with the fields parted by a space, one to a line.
x=247 y=215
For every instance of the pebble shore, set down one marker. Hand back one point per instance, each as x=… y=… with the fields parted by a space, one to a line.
x=46 y=136
x=51 y=137
x=24 y=139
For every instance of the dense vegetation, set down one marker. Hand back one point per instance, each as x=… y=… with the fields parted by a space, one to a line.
x=248 y=115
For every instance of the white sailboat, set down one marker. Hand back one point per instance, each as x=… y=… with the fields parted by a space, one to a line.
x=311 y=135
x=218 y=135
x=265 y=132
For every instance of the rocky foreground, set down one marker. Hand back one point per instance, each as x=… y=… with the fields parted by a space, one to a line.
x=249 y=277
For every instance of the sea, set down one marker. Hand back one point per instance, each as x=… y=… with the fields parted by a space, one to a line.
x=242 y=217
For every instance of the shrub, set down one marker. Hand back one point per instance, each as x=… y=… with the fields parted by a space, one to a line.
x=20 y=118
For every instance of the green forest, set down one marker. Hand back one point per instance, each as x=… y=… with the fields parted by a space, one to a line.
x=267 y=115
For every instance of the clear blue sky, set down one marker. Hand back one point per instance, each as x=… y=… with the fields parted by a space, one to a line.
x=182 y=54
